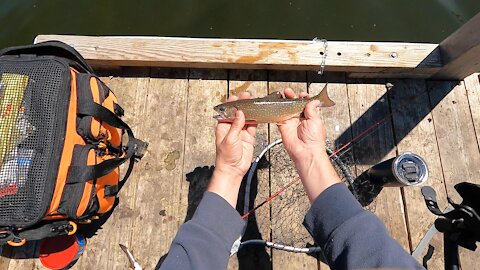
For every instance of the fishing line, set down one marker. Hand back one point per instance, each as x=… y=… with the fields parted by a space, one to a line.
x=345 y=147
x=285 y=218
x=341 y=167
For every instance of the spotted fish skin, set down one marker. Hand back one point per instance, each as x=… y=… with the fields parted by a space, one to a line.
x=270 y=109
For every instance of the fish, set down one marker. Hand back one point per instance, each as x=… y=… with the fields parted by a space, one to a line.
x=272 y=108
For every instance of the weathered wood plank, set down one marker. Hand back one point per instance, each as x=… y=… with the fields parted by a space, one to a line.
x=254 y=54
x=336 y=118
x=206 y=89
x=414 y=132
x=368 y=104
x=459 y=152
x=158 y=212
x=460 y=52
x=284 y=212
x=472 y=84
x=102 y=250
x=254 y=257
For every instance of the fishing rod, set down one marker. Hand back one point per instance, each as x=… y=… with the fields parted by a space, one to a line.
x=344 y=147
x=362 y=135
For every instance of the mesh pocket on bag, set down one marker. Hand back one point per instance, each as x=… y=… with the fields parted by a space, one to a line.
x=33 y=106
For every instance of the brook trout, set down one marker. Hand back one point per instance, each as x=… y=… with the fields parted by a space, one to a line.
x=269 y=109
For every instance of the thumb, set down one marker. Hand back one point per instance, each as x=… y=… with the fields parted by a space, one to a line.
x=237 y=124
x=311 y=111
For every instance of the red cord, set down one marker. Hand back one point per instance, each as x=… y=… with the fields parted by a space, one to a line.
x=297 y=178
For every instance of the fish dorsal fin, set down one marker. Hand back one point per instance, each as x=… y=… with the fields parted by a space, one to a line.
x=274 y=95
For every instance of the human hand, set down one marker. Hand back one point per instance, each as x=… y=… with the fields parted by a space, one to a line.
x=304 y=140
x=234 y=143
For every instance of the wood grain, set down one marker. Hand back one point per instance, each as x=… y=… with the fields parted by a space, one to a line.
x=103 y=251
x=282 y=171
x=472 y=84
x=459 y=151
x=460 y=52
x=415 y=132
x=336 y=119
x=411 y=58
x=254 y=257
x=368 y=104
x=158 y=213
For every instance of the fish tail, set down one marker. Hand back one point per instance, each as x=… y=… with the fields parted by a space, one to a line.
x=324 y=98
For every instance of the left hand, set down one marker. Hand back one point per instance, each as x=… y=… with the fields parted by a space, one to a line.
x=234 y=142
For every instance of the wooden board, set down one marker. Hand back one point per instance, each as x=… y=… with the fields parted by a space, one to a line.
x=472 y=84
x=254 y=257
x=336 y=119
x=157 y=212
x=414 y=132
x=459 y=151
x=412 y=58
x=282 y=172
x=206 y=88
x=103 y=251
x=460 y=52
x=368 y=104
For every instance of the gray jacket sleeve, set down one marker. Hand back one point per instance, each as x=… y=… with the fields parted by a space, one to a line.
x=351 y=237
x=205 y=241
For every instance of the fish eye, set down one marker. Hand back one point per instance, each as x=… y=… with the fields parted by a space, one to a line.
x=222 y=109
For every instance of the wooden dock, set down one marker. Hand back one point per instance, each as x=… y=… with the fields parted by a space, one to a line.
x=171 y=108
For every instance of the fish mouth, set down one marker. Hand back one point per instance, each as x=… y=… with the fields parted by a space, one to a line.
x=218 y=117
x=222 y=119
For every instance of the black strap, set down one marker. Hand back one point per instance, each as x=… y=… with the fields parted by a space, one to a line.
x=111 y=191
x=84 y=173
x=53 y=48
x=118 y=110
x=40 y=232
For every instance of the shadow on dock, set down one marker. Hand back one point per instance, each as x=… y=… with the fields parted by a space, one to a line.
x=251 y=257
x=404 y=105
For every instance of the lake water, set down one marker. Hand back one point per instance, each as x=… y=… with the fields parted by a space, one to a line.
x=359 y=20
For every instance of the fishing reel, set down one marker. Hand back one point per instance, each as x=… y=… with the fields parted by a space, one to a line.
x=460 y=224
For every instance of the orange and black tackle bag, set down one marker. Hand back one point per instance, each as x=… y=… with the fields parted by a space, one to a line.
x=62 y=141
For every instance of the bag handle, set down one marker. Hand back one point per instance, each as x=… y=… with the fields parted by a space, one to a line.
x=134 y=147
x=53 y=48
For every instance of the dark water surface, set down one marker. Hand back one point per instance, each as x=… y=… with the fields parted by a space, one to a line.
x=359 y=20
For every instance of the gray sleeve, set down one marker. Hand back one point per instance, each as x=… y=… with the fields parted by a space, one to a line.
x=351 y=237
x=205 y=241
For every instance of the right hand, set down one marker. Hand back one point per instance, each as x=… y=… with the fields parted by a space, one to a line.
x=304 y=140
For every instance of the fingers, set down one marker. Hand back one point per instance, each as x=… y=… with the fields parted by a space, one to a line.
x=311 y=111
x=288 y=92
x=237 y=125
x=245 y=95
x=232 y=98
x=251 y=129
